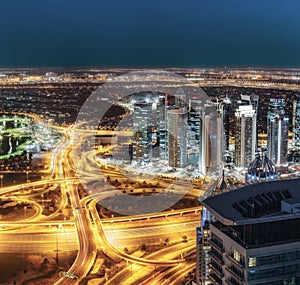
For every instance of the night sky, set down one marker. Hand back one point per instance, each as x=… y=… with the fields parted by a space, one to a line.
x=156 y=33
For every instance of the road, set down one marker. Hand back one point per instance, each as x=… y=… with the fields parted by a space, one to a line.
x=84 y=231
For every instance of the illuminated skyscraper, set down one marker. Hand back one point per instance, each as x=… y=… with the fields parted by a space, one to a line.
x=142 y=132
x=194 y=131
x=254 y=235
x=162 y=125
x=296 y=125
x=177 y=137
x=210 y=138
x=224 y=110
x=202 y=249
x=245 y=135
x=277 y=130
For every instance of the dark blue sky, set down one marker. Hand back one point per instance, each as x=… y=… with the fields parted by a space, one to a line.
x=152 y=33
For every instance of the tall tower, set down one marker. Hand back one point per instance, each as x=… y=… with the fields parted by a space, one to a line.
x=194 y=130
x=177 y=137
x=162 y=125
x=226 y=120
x=296 y=124
x=277 y=125
x=211 y=138
x=202 y=249
x=142 y=132
x=245 y=135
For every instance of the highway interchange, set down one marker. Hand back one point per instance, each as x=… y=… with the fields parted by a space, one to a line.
x=83 y=229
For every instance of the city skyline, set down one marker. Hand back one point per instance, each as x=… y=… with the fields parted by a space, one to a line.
x=104 y=171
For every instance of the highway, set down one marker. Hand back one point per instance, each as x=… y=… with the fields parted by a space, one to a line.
x=83 y=230
x=87 y=245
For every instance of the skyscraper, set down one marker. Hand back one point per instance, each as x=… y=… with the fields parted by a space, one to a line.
x=210 y=138
x=194 y=130
x=162 y=125
x=177 y=137
x=254 y=235
x=142 y=132
x=245 y=135
x=224 y=109
x=277 y=130
x=202 y=249
x=296 y=125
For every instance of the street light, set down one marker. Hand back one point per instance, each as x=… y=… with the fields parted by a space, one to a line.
x=25 y=208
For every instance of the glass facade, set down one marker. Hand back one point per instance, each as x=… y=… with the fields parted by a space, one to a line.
x=277 y=131
x=142 y=132
x=245 y=135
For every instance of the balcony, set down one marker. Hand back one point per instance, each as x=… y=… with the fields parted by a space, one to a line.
x=230 y=282
x=241 y=265
x=216 y=258
x=215 y=279
x=238 y=275
x=216 y=245
x=216 y=271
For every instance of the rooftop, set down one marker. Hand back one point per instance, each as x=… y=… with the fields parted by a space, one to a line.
x=255 y=203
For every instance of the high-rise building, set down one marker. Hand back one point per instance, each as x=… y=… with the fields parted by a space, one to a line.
x=277 y=130
x=142 y=132
x=177 y=137
x=296 y=125
x=255 y=234
x=194 y=130
x=203 y=249
x=210 y=139
x=245 y=135
x=250 y=100
x=224 y=110
x=162 y=125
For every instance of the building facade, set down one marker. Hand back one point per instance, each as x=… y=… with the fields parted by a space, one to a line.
x=277 y=132
x=245 y=135
x=142 y=132
x=296 y=125
x=177 y=138
x=255 y=234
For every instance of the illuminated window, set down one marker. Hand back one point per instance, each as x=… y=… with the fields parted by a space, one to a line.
x=252 y=261
x=236 y=255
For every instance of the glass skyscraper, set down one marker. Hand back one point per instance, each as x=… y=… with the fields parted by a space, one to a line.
x=245 y=135
x=296 y=125
x=142 y=132
x=177 y=137
x=277 y=130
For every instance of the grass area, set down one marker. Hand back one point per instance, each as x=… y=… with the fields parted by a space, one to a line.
x=15 y=132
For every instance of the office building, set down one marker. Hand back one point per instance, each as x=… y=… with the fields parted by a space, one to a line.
x=245 y=135
x=296 y=125
x=162 y=106
x=194 y=130
x=224 y=110
x=202 y=249
x=277 y=131
x=211 y=138
x=255 y=234
x=177 y=137
x=142 y=132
